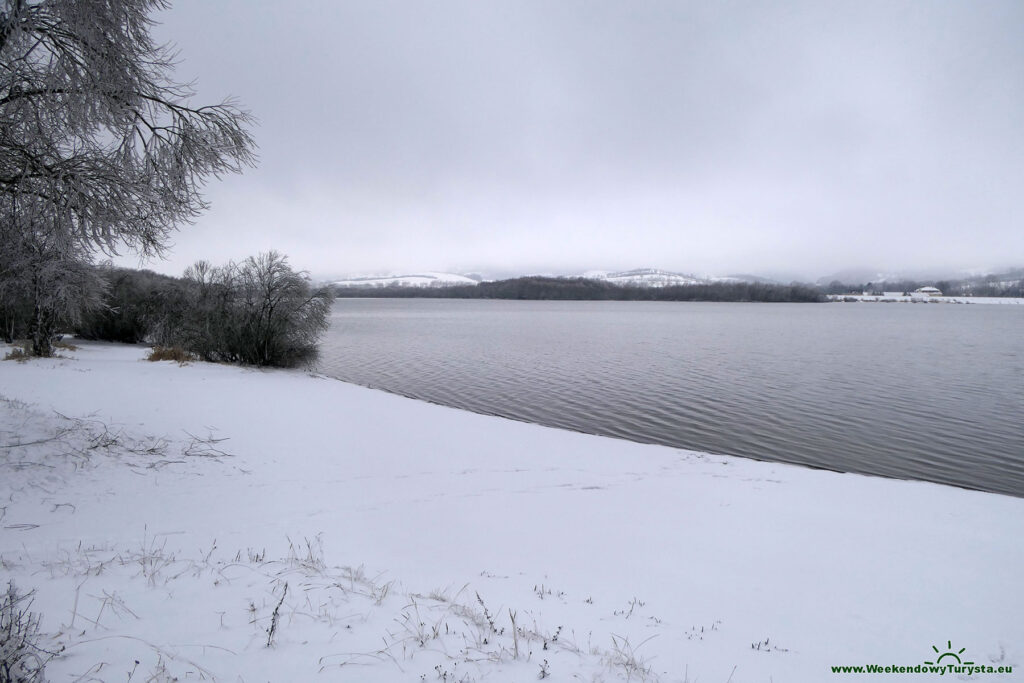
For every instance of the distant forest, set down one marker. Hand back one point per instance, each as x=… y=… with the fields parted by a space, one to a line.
x=583 y=289
x=1006 y=284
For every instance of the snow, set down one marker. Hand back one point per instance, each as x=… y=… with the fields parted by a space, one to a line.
x=898 y=297
x=595 y=274
x=158 y=511
x=425 y=279
x=644 y=277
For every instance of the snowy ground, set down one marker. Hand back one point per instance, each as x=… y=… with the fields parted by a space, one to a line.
x=164 y=515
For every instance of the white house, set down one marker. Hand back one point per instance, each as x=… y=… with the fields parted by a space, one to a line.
x=924 y=293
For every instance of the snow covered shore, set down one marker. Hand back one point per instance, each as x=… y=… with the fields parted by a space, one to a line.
x=172 y=520
x=899 y=298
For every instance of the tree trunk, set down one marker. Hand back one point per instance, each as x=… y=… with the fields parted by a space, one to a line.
x=41 y=332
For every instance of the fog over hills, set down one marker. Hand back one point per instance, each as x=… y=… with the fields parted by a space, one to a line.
x=644 y=277
x=657 y=277
x=422 y=279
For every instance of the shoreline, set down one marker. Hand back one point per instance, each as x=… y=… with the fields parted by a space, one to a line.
x=908 y=299
x=604 y=542
x=754 y=458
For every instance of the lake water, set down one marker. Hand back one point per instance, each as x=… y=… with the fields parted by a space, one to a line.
x=931 y=392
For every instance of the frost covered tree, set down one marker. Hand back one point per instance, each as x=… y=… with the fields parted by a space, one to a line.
x=282 y=316
x=49 y=283
x=100 y=148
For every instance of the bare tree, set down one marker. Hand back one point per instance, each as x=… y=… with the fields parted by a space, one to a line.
x=99 y=148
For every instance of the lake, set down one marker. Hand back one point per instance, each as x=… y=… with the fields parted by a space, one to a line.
x=929 y=392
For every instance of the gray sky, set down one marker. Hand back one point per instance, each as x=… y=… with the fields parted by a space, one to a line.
x=556 y=136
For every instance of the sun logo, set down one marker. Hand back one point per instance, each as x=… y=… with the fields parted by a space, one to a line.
x=949 y=653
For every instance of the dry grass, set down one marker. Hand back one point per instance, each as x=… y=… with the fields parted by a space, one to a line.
x=175 y=353
x=21 y=352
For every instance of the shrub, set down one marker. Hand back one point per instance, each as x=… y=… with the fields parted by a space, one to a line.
x=280 y=319
x=258 y=312
x=22 y=660
x=133 y=304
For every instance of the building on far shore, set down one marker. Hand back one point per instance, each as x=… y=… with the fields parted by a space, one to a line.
x=926 y=291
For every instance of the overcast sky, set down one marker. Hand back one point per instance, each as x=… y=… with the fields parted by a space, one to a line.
x=558 y=136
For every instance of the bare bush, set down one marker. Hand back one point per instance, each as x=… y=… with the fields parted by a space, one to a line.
x=131 y=305
x=257 y=312
x=22 y=660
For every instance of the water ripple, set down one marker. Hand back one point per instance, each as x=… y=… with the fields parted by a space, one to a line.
x=887 y=390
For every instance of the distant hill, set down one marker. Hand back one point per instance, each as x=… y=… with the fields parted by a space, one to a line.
x=644 y=277
x=426 y=279
x=745 y=277
x=859 y=275
x=637 y=277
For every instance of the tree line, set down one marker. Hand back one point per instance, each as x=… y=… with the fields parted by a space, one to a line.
x=101 y=150
x=585 y=289
x=258 y=311
x=1006 y=284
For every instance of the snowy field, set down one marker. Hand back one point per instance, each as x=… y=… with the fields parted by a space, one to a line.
x=206 y=522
